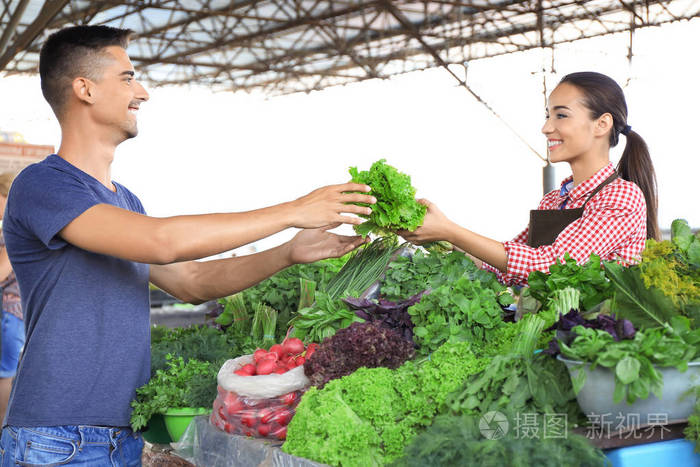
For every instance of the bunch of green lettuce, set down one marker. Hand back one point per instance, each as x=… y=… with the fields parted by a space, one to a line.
x=368 y=417
x=459 y=440
x=396 y=207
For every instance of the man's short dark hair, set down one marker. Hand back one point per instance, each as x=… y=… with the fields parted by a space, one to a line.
x=73 y=52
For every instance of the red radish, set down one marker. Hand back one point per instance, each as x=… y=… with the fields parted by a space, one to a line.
x=280 y=371
x=233 y=403
x=266 y=415
x=299 y=361
x=248 y=433
x=241 y=373
x=288 y=399
x=293 y=346
x=266 y=367
x=258 y=354
x=249 y=368
x=249 y=418
x=282 y=416
x=277 y=349
x=228 y=428
x=280 y=433
x=264 y=430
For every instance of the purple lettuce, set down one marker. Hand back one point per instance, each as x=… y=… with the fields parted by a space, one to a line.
x=368 y=344
x=393 y=315
x=618 y=329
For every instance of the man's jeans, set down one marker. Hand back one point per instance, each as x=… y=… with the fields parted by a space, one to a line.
x=70 y=445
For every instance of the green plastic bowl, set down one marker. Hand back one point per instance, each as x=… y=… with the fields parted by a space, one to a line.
x=156 y=431
x=177 y=420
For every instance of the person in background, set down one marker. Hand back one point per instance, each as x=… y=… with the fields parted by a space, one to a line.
x=12 y=319
x=84 y=252
x=599 y=209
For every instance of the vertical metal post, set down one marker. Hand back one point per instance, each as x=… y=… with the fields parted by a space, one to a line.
x=548 y=180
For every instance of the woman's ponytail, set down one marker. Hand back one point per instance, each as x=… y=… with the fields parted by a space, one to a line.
x=635 y=166
x=603 y=95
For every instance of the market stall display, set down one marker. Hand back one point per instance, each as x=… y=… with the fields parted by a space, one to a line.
x=433 y=367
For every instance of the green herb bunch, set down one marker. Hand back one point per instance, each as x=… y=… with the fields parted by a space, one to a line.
x=517 y=381
x=461 y=310
x=458 y=440
x=181 y=384
x=407 y=276
x=589 y=279
x=201 y=343
x=396 y=207
x=322 y=319
x=282 y=291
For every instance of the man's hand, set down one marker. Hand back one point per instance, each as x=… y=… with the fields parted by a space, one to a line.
x=325 y=206
x=311 y=245
x=435 y=226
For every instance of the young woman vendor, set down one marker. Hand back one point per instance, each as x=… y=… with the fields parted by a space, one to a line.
x=600 y=209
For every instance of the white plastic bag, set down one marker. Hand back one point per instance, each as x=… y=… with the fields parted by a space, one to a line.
x=263 y=386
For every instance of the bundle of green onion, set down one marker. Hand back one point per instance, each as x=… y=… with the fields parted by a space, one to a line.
x=364 y=268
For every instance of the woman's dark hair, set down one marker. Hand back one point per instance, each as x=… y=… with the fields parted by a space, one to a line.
x=73 y=52
x=603 y=95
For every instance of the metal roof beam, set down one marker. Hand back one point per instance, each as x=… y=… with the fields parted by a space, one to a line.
x=48 y=12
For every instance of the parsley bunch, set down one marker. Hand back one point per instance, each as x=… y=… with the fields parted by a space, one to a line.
x=190 y=384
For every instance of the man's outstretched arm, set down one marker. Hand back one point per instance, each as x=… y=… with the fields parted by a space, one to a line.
x=113 y=231
x=199 y=281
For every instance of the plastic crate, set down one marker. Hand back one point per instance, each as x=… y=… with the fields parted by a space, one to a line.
x=673 y=453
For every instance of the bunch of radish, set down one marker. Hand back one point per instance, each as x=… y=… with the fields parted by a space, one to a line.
x=280 y=358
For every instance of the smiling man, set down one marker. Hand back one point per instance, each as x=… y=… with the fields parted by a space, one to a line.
x=84 y=251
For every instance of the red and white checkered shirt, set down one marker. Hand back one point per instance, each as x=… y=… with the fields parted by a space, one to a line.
x=613 y=226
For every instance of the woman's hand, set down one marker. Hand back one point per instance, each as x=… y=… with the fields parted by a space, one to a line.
x=435 y=226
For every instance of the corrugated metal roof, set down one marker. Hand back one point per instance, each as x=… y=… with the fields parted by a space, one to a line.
x=283 y=46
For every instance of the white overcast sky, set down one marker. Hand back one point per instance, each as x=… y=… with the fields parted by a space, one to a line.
x=201 y=152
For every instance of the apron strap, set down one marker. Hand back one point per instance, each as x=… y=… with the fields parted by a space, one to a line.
x=599 y=187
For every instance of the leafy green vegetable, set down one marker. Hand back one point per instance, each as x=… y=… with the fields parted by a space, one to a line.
x=589 y=279
x=692 y=431
x=667 y=281
x=201 y=343
x=322 y=319
x=457 y=311
x=369 y=416
x=645 y=306
x=634 y=361
x=458 y=440
x=396 y=207
x=516 y=381
x=181 y=384
x=282 y=291
x=406 y=276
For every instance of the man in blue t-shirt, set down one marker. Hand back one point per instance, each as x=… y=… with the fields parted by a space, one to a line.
x=84 y=251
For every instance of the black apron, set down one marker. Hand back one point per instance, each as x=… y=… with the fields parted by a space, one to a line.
x=547 y=224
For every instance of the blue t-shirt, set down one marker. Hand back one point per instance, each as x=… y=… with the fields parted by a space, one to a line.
x=86 y=314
